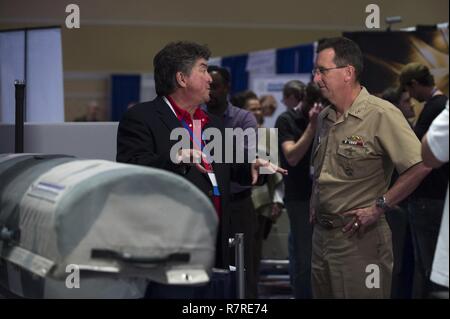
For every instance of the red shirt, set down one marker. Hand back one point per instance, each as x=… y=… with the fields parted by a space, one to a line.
x=182 y=114
x=201 y=116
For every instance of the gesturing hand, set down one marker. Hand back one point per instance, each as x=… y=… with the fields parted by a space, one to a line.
x=192 y=157
x=269 y=166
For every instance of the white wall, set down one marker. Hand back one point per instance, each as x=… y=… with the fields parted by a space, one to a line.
x=84 y=140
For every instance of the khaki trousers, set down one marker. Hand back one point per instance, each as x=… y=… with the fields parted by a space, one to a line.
x=355 y=267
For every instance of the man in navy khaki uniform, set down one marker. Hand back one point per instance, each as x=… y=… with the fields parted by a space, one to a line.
x=360 y=140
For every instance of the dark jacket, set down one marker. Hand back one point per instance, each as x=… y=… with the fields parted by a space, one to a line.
x=143 y=138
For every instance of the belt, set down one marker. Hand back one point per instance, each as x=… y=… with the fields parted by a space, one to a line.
x=332 y=222
x=241 y=195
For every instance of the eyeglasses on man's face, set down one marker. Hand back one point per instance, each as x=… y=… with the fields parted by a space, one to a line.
x=324 y=71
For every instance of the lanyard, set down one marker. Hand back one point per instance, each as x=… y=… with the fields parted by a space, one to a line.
x=200 y=144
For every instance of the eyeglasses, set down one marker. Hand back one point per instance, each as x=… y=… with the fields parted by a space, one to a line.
x=324 y=71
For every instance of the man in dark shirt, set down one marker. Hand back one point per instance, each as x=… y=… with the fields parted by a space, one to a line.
x=241 y=209
x=427 y=202
x=296 y=129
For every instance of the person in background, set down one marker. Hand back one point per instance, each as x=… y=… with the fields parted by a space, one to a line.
x=253 y=105
x=268 y=198
x=401 y=99
x=426 y=203
x=397 y=217
x=242 y=212
x=239 y=98
x=296 y=129
x=93 y=113
x=269 y=105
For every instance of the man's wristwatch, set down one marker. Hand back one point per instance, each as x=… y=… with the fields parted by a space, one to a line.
x=381 y=203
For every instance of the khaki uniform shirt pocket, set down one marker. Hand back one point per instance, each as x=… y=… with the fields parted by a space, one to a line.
x=352 y=161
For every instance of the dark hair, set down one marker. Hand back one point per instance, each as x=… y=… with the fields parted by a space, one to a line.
x=295 y=88
x=392 y=95
x=224 y=73
x=346 y=51
x=426 y=79
x=240 y=98
x=176 y=57
x=313 y=95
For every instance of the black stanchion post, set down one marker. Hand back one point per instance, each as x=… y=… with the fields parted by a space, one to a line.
x=20 y=118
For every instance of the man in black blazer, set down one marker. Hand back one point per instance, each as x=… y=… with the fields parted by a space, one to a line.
x=182 y=83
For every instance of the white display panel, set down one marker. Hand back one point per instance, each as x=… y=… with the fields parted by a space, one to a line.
x=33 y=56
x=272 y=84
